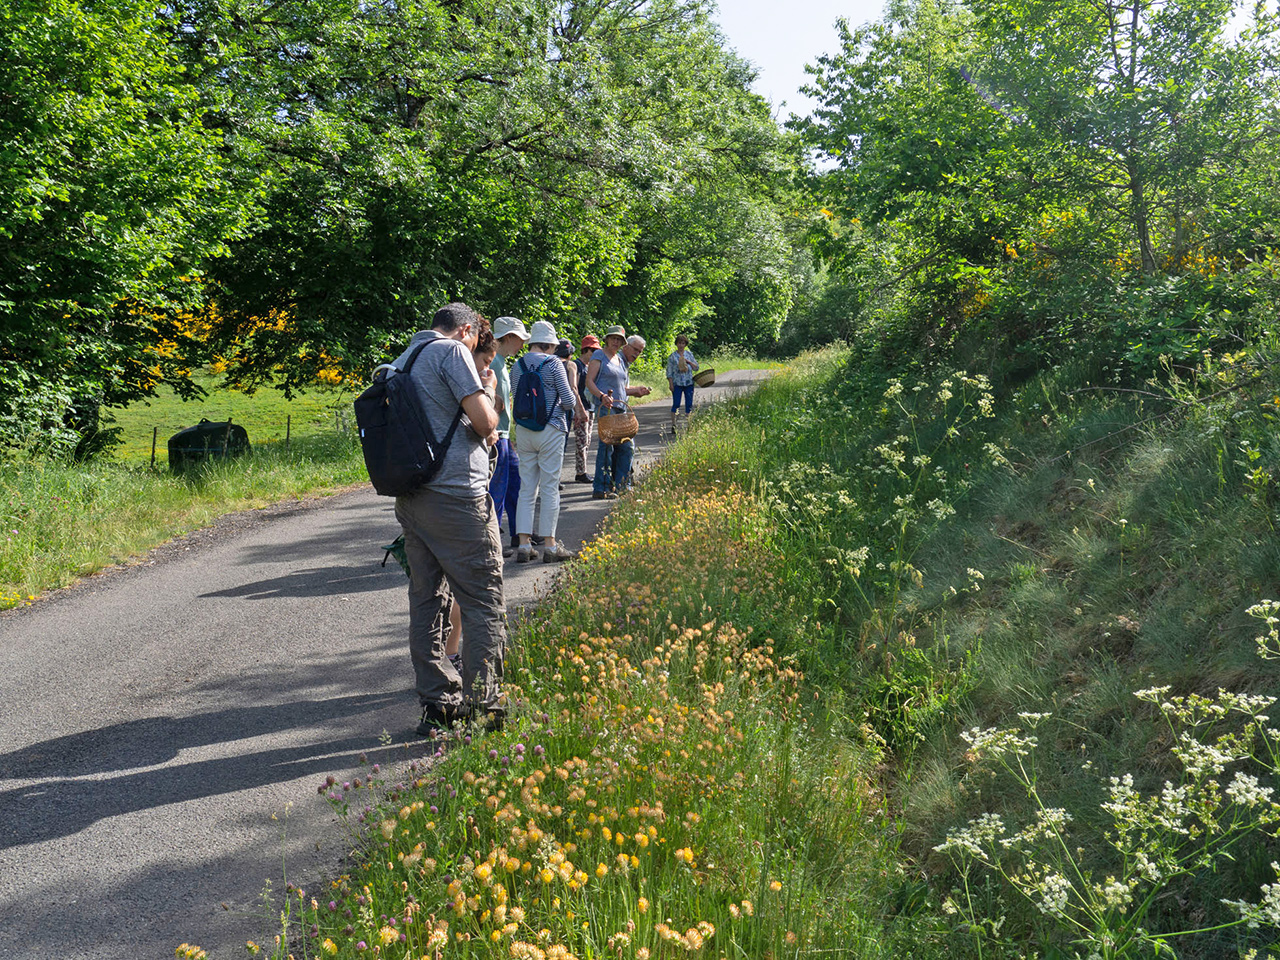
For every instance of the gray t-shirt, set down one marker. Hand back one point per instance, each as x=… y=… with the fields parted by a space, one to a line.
x=445 y=375
x=612 y=375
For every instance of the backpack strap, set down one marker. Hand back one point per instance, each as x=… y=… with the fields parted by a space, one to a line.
x=457 y=417
x=556 y=402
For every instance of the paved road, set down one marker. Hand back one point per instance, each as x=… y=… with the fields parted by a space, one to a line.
x=157 y=722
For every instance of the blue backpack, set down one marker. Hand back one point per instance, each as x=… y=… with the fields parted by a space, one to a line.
x=527 y=408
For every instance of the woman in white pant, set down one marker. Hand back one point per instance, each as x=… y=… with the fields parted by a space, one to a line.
x=540 y=439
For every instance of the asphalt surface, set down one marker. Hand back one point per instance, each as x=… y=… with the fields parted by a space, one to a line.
x=164 y=725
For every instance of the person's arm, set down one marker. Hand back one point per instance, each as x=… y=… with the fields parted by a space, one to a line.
x=593 y=368
x=474 y=390
x=565 y=386
x=693 y=364
x=479 y=410
x=569 y=399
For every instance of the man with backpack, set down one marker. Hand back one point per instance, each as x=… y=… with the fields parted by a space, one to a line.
x=451 y=531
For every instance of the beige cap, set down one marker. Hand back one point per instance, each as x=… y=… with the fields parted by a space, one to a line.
x=507 y=325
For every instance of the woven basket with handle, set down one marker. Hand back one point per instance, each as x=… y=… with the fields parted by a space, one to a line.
x=618 y=427
x=705 y=378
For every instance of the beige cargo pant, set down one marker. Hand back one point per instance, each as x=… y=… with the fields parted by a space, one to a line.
x=454 y=551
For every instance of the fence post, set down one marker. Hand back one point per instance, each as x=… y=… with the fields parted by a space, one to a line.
x=288 y=430
x=154 y=431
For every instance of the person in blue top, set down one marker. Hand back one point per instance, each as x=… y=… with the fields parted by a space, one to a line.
x=608 y=383
x=542 y=451
x=680 y=369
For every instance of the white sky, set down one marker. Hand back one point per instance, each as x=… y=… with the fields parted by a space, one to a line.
x=781 y=36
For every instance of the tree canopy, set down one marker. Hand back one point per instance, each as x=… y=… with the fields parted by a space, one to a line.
x=314 y=177
x=110 y=200
x=1052 y=176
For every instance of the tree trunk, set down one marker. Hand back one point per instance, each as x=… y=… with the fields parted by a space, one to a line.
x=1138 y=208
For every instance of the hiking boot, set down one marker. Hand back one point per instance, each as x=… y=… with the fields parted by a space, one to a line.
x=436 y=718
x=582 y=478
x=536 y=540
x=525 y=553
x=604 y=495
x=557 y=553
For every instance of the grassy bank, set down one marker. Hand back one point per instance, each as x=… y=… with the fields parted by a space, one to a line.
x=948 y=668
x=1039 y=597
x=265 y=414
x=64 y=520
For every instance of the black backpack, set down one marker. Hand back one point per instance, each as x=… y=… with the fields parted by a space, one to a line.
x=401 y=452
x=527 y=408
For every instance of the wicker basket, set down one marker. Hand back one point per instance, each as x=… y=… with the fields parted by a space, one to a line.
x=618 y=427
x=705 y=378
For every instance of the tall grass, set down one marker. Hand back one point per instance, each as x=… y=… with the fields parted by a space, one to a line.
x=1055 y=557
x=62 y=520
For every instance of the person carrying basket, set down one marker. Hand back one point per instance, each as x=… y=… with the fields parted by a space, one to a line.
x=608 y=383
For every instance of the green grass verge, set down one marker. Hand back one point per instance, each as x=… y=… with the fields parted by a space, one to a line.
x=59 y=521
x=1021 y=562
x=265 y=414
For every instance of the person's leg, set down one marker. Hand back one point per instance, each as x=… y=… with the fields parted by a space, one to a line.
x=622 y=465
x=498 y=482
x=436 y=682
x=582 y=443
x=550 y=462
x=455 y=631
x=513 y=490
x=467 y=546
x=688 y=399
x=527 y=441
x=675 y=405
x=603 y=481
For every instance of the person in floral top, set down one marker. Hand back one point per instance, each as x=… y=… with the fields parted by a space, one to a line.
x=680 y=369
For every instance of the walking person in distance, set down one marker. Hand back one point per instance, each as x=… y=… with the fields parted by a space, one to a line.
x=681 y=367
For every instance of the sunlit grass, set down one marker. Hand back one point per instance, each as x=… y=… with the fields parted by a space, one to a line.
x=265 y=414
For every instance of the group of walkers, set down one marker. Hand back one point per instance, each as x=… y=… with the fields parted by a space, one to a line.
x=572 y=392
x=453 y=540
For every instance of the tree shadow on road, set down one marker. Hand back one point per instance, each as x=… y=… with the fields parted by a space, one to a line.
x=317 y=582
x=59 y=807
